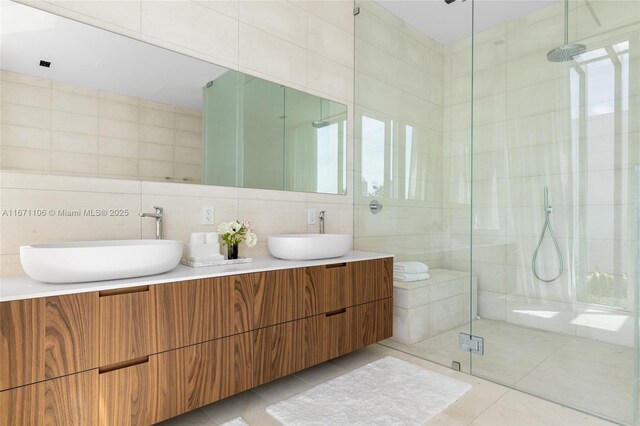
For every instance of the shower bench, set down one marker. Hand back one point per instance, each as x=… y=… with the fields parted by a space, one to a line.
x=423 y=309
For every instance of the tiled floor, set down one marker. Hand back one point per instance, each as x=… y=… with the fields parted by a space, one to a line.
x=578 y=372
x=486 y=403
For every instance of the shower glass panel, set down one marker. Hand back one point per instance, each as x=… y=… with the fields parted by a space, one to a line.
x=459 y=137
x=557 y=309
x=412 y=154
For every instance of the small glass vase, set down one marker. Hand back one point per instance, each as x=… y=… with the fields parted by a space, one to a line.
x=232 y=251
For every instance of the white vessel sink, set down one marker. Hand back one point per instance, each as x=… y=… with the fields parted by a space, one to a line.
x=309 y=246
x=99 y=260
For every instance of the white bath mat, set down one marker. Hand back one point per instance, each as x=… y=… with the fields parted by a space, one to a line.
x=238 y=421
x=388 y=391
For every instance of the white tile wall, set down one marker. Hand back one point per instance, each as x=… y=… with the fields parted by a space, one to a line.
x=399 y=81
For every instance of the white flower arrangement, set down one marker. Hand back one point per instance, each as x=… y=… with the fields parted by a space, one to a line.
x=236 y=232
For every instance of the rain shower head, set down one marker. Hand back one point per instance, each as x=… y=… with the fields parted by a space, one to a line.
x=566 y=52
x=320 y=123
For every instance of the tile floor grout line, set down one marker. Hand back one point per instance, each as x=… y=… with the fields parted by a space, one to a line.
x=563 y=346
x=508 y=389
x=208 y=416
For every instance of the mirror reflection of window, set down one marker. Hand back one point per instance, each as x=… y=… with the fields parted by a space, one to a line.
x=327 y=141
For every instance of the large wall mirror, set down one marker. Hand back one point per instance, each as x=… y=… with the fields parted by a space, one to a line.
x=78 y=100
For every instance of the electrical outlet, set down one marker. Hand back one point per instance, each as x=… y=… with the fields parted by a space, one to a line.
x=208 y=217
x=311 y=217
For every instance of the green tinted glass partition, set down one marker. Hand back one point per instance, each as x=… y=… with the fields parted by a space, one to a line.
x=259 y=134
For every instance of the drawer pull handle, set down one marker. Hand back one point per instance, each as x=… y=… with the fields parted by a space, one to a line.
x=123 y=364
x=336 y=265
x=337 y=312
x=117 y=291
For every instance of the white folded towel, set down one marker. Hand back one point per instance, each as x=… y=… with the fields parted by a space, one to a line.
x=410 y=267
x=407 y=278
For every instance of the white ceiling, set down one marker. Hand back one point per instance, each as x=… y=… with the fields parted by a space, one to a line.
x=447 y=23
x=90 y=57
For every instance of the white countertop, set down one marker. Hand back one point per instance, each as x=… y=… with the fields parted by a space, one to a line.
x=23 y=287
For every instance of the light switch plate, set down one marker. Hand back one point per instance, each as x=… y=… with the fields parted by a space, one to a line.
x=311 y=217
x=208 y=215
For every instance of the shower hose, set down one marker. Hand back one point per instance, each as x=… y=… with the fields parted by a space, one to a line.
x=547 y=225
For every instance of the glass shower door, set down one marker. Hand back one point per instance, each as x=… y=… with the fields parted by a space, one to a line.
x=555 y=273
x=404 y=156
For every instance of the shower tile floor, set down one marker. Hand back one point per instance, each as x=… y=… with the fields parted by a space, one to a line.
x=578 y=372
x=486 y=403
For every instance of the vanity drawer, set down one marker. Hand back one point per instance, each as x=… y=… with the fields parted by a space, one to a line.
x=372 y=322
x=337 y=333
x=128 y=394
x=217 y=369
x=275 y=352
x=337 y=287
x=372 y=280
x=68 y=400
x=278 y=296
x=202 y=310
x=21 y=342
x=327 y=288
x=127 y=324
x=47 y=338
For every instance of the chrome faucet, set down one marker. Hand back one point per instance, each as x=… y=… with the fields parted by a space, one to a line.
x=158 y=217
x=321 y=217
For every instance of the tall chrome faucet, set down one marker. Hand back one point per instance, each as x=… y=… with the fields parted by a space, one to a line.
x=321 y=217
x=158 y=217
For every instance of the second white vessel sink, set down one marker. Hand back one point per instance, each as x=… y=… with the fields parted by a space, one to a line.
x=99 y=260
x=309 y=246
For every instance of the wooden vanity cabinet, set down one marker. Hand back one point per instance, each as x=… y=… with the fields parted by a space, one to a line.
x=275 y=352
x=138 y=356
x=47 y=337
x=201 y=310
x=71 y=336
x=67 y=400
x=217 y=369
x=283 y=349
x=21 y=342
x=170 y=383
x=328 y=288
x=277 y=296
x=128 y=395
x=338 y=333
x=372 y=280
x=128 y=324
x=373 y=322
